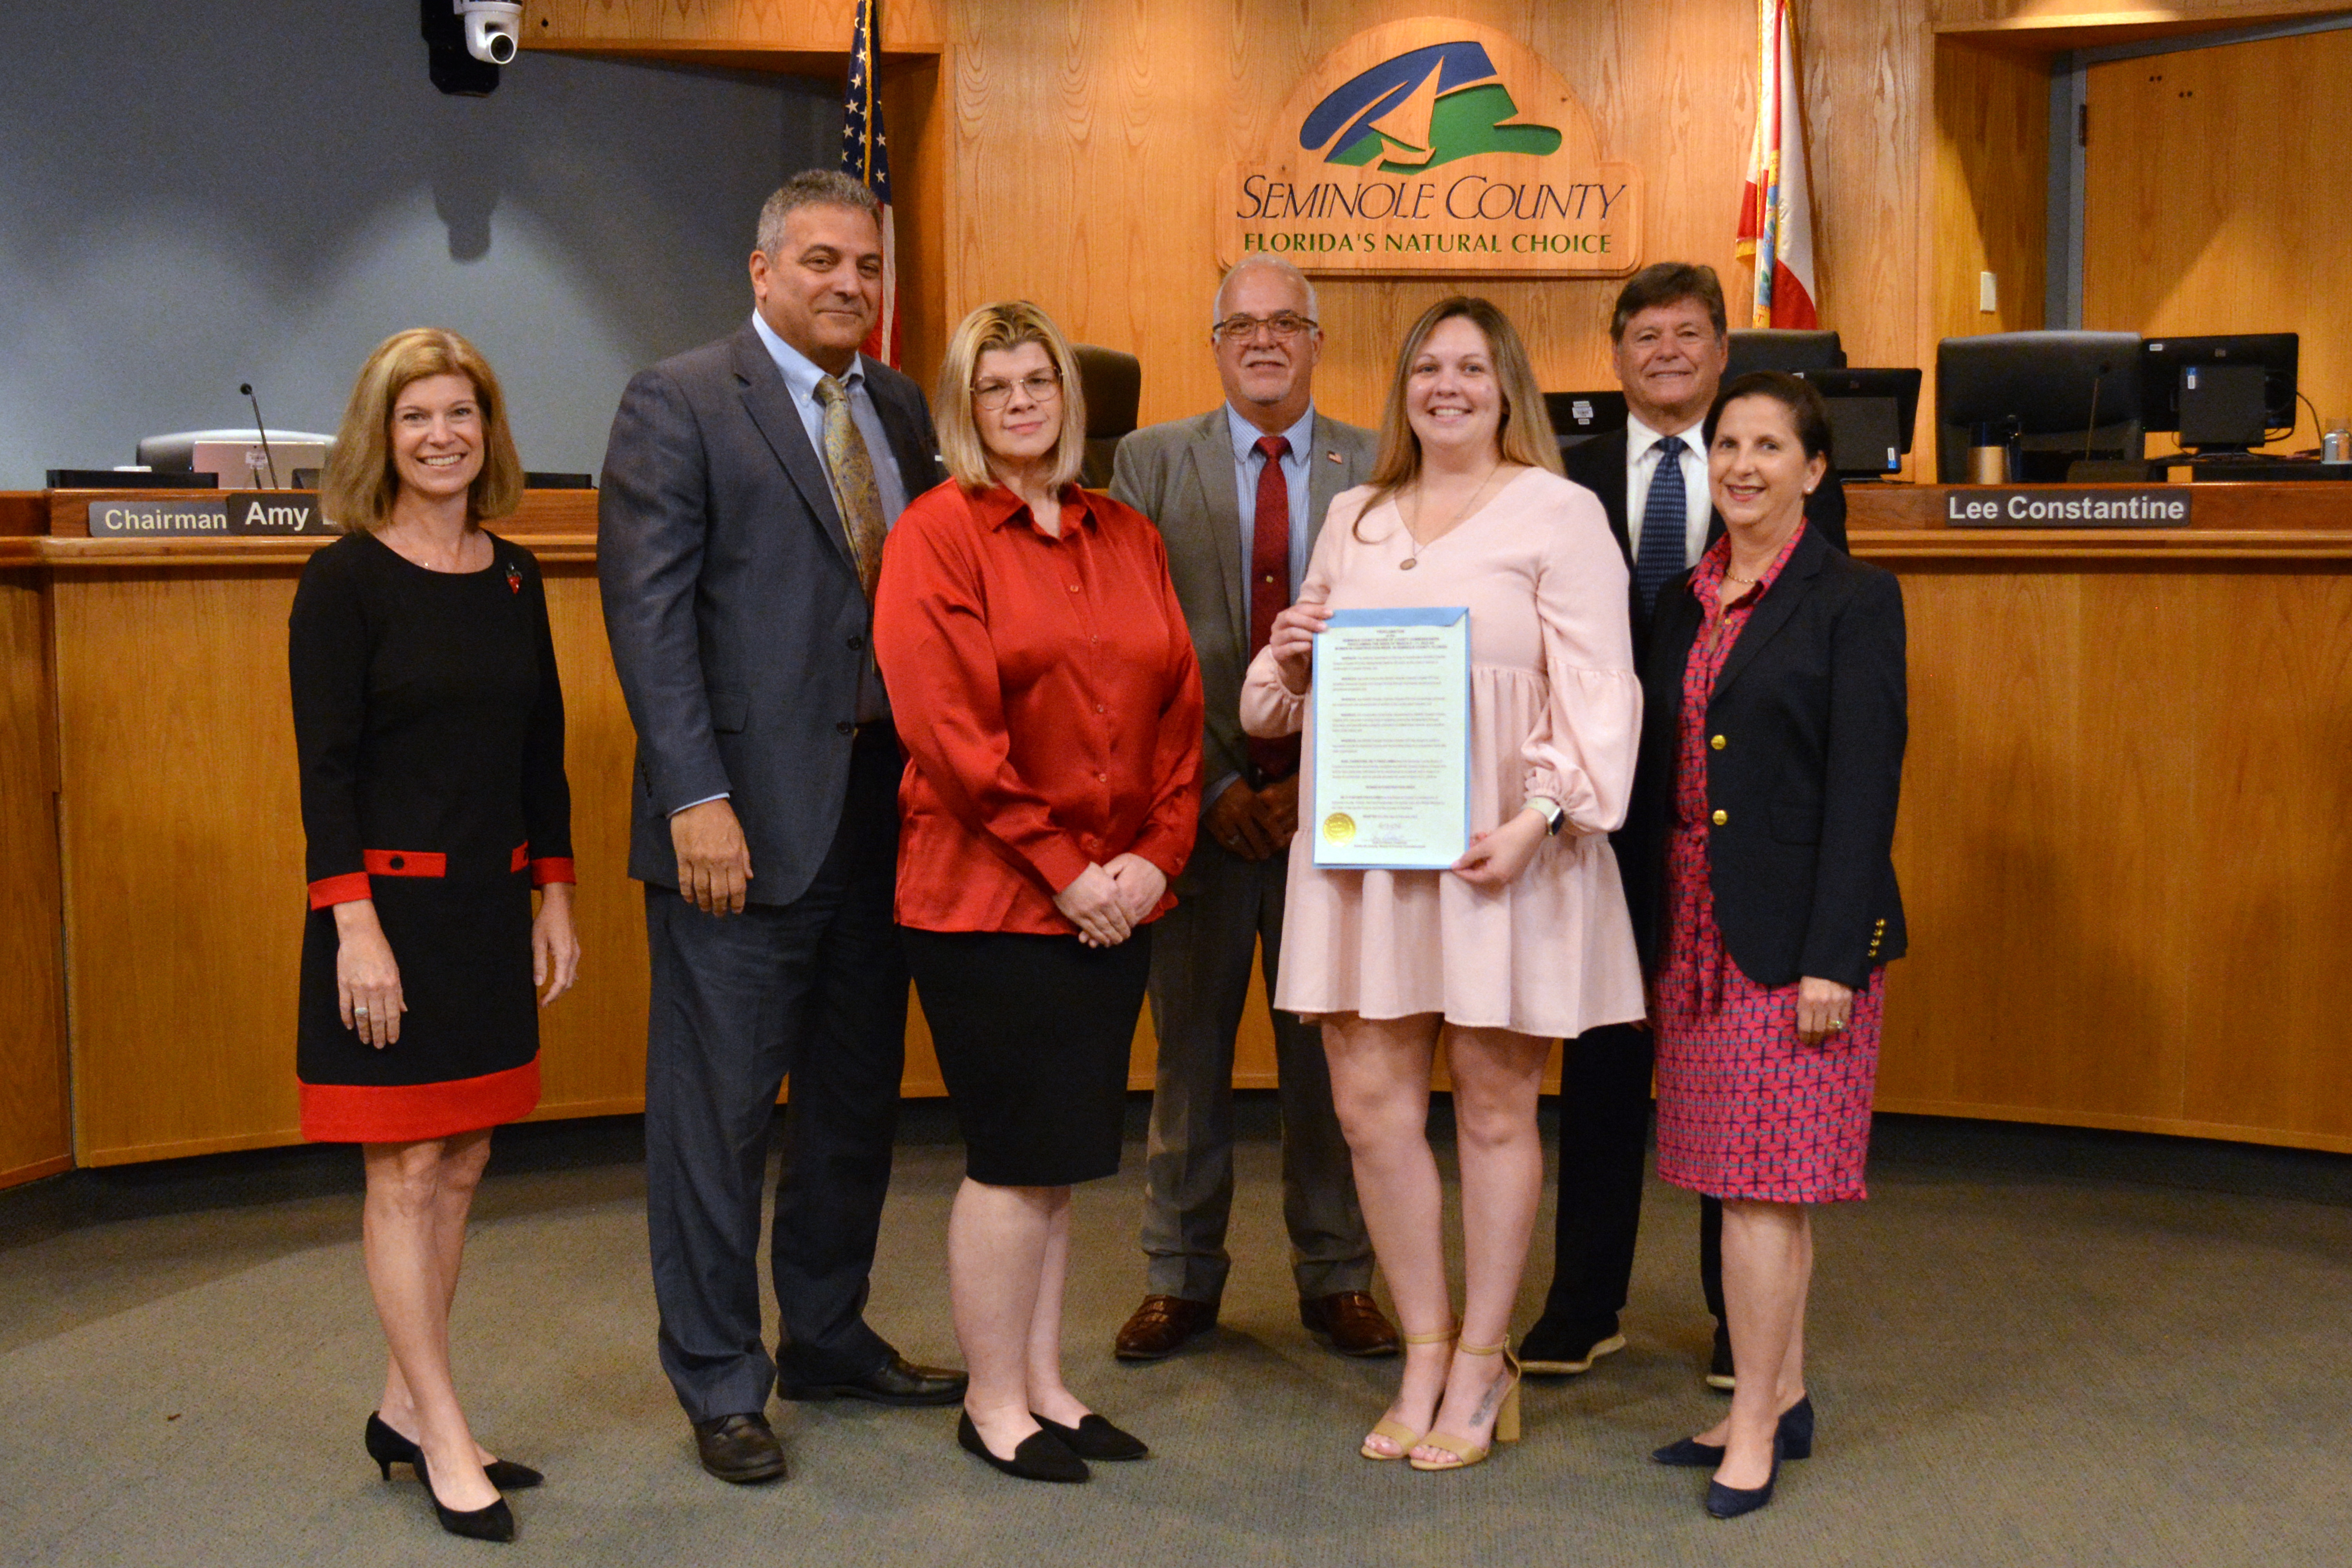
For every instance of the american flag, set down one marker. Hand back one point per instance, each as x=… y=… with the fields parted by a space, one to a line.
x=866 y=155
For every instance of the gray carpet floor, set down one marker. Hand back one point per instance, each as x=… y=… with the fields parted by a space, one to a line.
x=2029 y=1347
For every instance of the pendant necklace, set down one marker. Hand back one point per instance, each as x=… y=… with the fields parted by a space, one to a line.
x=1414 y=560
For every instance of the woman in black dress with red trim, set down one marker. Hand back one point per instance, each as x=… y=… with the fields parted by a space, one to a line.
x=430 y=727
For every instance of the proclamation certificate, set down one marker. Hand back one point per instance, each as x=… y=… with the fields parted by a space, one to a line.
x=1391 y=721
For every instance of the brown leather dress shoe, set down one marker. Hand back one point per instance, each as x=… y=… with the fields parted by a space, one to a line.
x=1351 y=1320
x=1162 y=1324
x=741 y=1448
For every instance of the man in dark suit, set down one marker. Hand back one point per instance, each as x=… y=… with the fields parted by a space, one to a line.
x=747 y=488
x=1240 y=493
x=1669 y=340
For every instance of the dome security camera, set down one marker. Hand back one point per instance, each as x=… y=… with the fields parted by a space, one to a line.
x=493 y=28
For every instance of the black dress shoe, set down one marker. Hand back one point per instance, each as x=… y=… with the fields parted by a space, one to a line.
x=1042 y=1457
x=1730 y=1502
x=1555 y=1349
x=1095 y=1438
x=896 y=1382
x=1795 y=1433
x=740 y=1448
x=387 y=1448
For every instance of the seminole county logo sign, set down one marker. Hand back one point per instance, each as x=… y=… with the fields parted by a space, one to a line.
x=1432 y=147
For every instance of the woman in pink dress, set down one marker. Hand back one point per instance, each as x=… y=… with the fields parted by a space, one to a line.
x=1761 y=869
x=1525 y=937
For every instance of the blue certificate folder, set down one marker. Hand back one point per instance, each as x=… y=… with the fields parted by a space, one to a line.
x=1391 y=763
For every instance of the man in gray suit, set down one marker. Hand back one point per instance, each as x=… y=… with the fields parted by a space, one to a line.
x=747 y=488
x=1239 y=494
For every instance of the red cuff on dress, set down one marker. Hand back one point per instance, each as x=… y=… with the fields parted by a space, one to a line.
x=348 y=888
x=552 y=868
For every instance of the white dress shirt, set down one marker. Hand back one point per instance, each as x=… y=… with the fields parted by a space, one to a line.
x=1642 y=467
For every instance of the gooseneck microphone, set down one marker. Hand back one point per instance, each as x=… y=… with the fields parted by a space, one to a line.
x=263 y=431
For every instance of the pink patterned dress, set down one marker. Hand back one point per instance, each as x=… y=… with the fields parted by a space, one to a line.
x=1744 y=1109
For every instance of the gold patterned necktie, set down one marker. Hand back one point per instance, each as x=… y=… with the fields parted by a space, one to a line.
x=853 y=490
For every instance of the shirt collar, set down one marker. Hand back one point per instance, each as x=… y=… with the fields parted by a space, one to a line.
x=800 y=373
x=1640 y=438
x=1246 y=435
x=1706 y=581
x=996 y=505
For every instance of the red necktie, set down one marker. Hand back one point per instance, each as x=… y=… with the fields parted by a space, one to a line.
x=1270 y=590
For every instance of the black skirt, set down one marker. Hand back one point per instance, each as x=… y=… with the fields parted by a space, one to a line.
x=1033 y=1035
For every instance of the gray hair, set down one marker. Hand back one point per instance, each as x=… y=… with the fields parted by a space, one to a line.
x=1275 y=264
x=812 y=188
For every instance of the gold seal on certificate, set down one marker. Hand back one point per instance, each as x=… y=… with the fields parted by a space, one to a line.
x=1391 y=731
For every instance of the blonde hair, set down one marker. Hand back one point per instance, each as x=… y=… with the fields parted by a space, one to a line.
x=1525 y=435
x=1007 y=324
x=359 y=485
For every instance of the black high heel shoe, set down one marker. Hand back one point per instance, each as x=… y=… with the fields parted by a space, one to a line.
x=388 y=1448
x=1042 y=1457
x=1730 y=1502
x=495 y=1522
x=1795 y=1431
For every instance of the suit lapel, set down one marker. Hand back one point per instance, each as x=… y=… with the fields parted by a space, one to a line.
x=903 y=428
x=1211 y=454
x=770 y=404
x=1795 y=581
x=1326 y=476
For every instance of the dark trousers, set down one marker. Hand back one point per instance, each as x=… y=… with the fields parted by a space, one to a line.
x=1604 y=1142
x=1228 y=913
x=816 y=991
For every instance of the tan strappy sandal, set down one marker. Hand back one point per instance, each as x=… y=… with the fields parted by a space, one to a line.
x=1397 y=1432
x=1507 y=1419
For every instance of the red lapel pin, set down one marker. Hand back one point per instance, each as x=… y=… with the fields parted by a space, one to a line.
x=514 y=579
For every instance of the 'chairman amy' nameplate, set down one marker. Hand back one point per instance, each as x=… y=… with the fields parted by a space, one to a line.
x=1391 y=736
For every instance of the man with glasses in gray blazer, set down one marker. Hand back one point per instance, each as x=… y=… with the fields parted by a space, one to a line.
x=1239 y=494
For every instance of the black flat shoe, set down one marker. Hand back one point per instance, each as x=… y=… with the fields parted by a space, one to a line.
x=1095 y=1438
x=1795 y=1432
x=1042 y=1457
x=495 y=1522
x=1730 y=1502
x=387 y=1448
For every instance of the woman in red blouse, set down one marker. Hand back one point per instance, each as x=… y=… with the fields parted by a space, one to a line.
x=1042 y=680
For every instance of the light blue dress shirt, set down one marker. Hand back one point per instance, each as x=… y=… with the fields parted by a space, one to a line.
x=801 y=376
x=1249 y=463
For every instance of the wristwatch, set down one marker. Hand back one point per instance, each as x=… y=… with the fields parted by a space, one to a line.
x=1549 y=809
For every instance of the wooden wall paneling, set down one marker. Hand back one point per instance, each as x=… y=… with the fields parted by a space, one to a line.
x=2199 y=214
x=1866 y=68
x=1089 y=130
x=184 y=857
x=35 y=1135
x=1992 y=160
x=2113 y=20
x=749 y=26
x=915 y=119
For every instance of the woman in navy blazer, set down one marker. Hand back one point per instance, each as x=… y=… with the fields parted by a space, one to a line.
x=1762 y=887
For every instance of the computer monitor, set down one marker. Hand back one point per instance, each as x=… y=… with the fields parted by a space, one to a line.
x=2220 y=393
x=1872 y=413
x=1578 y=417
x=1782 y=348
x=2057 y=398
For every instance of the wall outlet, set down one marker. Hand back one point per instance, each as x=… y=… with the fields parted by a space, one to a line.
x=1988 y=292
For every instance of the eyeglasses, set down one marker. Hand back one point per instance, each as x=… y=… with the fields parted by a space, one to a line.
x=1043 y=387
x=1285 y=326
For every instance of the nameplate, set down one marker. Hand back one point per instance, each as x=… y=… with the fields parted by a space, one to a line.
x=2067 y=506
x=237 y=513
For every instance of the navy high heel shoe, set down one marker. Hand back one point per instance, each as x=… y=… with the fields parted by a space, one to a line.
x=1796 y=1435
x=1730 y=1502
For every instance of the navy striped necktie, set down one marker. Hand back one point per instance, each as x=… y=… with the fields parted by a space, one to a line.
x=1665 y=526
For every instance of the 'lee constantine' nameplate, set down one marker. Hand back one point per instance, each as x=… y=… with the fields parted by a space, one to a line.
x=2108 y=506
x=239 y=513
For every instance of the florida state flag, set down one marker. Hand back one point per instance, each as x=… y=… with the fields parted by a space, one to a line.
x=1776 y=210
